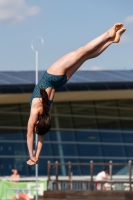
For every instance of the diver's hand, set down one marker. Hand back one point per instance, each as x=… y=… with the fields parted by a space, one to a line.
x=32 y=161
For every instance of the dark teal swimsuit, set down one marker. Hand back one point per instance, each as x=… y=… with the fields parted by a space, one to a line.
x=48 y=80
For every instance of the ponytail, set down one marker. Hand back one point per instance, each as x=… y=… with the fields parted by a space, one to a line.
x=44 y=97
x=44 y=124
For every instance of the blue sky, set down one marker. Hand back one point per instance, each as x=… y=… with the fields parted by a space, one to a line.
x=64 y=25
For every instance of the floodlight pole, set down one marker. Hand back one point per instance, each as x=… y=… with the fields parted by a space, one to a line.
x=36 y=80
x=36 y=67
x=36 y=136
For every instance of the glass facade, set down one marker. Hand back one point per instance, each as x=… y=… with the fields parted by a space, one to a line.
x=81 y=131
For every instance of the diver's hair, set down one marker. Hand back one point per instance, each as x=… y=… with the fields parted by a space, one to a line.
x=44 y=124
x=105 y=170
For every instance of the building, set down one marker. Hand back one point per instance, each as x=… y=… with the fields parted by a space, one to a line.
x=92 y=119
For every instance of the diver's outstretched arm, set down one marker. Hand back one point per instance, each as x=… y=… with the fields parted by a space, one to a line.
x=34 y=158
x=30 y=133
x=39 y=145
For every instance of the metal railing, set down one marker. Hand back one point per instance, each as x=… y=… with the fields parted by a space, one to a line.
x=57 y=184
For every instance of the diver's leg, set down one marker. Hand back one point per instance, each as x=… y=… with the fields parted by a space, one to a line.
x=103 y=46
x=72 y=60
x=95 y=53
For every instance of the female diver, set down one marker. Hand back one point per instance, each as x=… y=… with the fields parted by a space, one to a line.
x=57 y=75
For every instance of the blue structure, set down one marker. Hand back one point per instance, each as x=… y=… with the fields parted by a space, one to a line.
x=92 y=119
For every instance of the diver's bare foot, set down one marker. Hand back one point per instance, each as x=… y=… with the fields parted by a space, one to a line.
x=118 y=35
x=114 y=29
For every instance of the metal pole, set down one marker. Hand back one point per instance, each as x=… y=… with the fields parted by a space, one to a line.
x=56 y=168
x=91 y=174
x=69 y=170
x=69 y=175
x=36 y=80
x=36 y=67
x=49 y=166
x=130 y=174
x=36 y=136
x=110 y=172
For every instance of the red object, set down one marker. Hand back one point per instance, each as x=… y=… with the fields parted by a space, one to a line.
x=21 y=196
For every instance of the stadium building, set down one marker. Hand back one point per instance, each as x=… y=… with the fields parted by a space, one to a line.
x=92 y=119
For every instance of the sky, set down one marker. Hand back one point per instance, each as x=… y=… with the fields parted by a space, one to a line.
x=64 y=25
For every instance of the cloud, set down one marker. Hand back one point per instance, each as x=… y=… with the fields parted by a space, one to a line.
x=93 y=68
x=16 y=11
x=129 y=20
x=97 y=68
